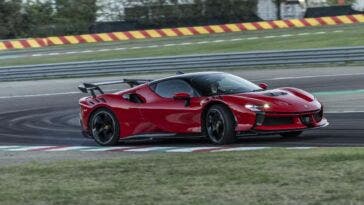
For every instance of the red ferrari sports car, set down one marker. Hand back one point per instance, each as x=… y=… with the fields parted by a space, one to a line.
x=219 y=105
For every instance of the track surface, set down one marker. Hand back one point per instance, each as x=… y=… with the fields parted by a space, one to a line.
x=44 y=118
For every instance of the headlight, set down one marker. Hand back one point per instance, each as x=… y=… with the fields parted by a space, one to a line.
x=257 y=108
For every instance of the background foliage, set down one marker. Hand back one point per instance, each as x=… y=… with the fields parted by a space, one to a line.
x=39 y=18
x=65 y=17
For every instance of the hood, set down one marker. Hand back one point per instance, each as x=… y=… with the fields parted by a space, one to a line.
x=283 y=100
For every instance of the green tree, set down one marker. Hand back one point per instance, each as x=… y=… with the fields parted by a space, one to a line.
x=162 y=12
x=38 y=18
x=10 y=18
x=75 y=17
x=230 y=10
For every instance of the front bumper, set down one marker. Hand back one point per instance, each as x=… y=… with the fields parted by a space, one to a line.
x=270 y=122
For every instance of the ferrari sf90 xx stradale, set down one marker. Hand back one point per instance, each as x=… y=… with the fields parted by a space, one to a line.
x=218 y=105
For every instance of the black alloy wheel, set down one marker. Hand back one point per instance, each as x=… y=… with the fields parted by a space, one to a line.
x=219 y=125
x=104 y=127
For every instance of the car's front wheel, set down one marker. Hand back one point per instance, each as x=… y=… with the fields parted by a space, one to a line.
x=219 y=125
x=104 y=127
x=291 y=134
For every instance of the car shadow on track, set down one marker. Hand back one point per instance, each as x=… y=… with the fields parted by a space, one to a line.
x=259 y=141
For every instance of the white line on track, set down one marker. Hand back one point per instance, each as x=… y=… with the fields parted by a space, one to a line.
x=270 y=79
x=169 y=45
x=218 y=41
x=103 y=50
x=311 y=76
x=38 y=95
x=46 y=94
x=321 y=32
x=343 y=112
x=252 y=38
x=185 y=43
x=299 y=147
x=286 y=35
x=29 y=148
x=138 y=149
x=202 y=42
x=147 y=149
x=8 y=147
x=54 y=54
x=97 y=149
x=271 y=36
x=191 y=149
x=239 y=149
x=59 y=149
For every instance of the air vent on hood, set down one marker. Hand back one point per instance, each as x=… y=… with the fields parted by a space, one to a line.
x=274 y=94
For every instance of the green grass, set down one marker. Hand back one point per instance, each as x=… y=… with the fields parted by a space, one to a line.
x=352 y=36
x=317 y=176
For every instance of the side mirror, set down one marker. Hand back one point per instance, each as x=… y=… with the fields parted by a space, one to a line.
x=183 y=96
x=263 y=85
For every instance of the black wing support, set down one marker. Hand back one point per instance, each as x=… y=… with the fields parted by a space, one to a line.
x=92 y=87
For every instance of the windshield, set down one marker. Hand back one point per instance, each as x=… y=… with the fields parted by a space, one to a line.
x=222 y=83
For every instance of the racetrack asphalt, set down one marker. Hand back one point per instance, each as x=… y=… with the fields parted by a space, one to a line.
x=46 y=112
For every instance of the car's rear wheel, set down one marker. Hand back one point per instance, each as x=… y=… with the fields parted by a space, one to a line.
x=104 y=127
x=219 y=125
x=291 y=134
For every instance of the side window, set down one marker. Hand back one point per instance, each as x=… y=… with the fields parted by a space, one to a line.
x=168 y=88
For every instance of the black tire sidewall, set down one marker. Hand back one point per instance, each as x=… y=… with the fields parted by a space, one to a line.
x=229 y=135
x=116 y=137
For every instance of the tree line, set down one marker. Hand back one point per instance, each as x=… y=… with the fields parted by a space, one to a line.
x=38 y=18
x=44 y=18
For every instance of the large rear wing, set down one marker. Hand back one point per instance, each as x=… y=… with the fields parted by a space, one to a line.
x=92 y=87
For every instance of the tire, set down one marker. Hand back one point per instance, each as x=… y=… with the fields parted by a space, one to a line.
x=104 y=127
x=220 y=125
x=291 y=134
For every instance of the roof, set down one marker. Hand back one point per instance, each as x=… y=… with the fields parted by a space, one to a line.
x=186 y=76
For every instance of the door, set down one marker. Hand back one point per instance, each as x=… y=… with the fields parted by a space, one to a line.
x=174 y=115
